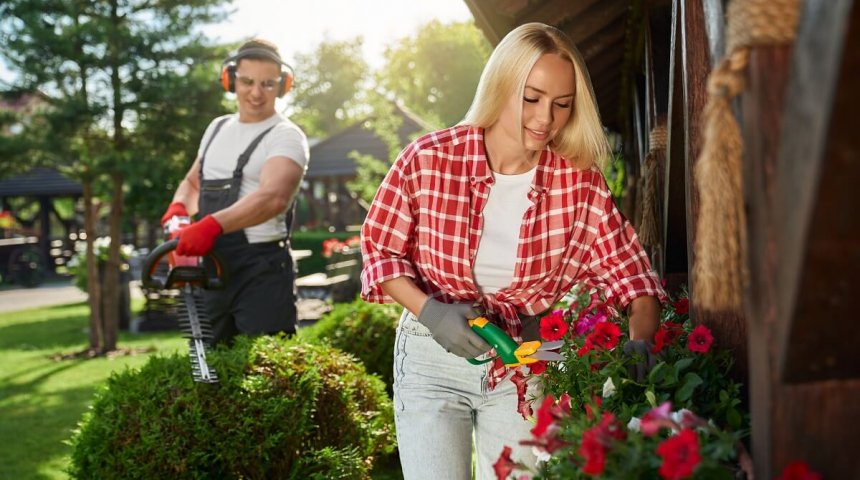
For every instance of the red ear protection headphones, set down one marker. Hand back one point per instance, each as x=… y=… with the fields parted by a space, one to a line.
x=228 y=69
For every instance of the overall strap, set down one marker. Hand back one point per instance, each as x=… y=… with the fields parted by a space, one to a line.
x=209 y=142
x=246 y=155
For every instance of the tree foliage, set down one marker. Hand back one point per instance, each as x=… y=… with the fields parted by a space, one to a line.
x=110 y=72
x=328 y=86
x=435 y=73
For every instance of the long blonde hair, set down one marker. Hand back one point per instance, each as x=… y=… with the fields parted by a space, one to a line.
x=581 y=140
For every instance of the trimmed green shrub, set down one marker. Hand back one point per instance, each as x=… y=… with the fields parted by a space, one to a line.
x=366 y=330
x=281 y=410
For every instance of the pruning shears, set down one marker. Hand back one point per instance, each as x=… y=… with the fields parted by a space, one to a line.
x=507 y=349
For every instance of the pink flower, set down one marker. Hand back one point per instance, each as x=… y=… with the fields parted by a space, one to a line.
x=587 y=322
x=680 y=454
x=553 y=327
x=700 y=340
x=655 y=419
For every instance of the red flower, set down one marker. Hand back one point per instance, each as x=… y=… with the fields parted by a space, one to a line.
x=523 y=406
x=680 y=454
x=504 y=465
x=681 y=306
x=700 y=340
x=798 y=470
x=593 y=452
x=605 y=335
x=544 y=416
x=553 y=327
x=666 y=335
x=585 y=348
x=537 y=368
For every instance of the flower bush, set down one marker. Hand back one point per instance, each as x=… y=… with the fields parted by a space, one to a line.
x=77 y=265
x=600 y=419
x=333 y=245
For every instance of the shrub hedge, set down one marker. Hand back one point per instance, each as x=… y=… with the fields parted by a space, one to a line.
x=281 y=410
x=362 y=329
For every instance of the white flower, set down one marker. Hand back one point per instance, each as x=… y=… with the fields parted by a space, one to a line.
x=541 y=454
x=678 y=416
x=608 y=388
x=633 y=424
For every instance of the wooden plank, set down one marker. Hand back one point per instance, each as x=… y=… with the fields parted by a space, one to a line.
x=493 y=24
x=554 y=12
x=818 y=178
x=611 y=37
x=583 y=25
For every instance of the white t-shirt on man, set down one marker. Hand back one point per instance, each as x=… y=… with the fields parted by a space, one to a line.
x=286 y=139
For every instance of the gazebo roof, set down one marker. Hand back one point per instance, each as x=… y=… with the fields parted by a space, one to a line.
x=40 y=182
x=330 y=157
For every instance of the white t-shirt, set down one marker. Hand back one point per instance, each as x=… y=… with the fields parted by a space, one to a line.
x=285 y=140
x=503 y=217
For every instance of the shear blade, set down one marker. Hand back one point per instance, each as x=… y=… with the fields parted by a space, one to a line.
x=547 y=356
x=551 y=345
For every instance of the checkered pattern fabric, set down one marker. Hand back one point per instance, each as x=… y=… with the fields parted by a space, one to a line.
x=425 y=223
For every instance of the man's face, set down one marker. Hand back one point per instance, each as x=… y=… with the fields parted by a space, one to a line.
x=257 y=85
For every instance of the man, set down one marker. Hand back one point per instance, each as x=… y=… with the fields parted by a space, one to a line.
x=242 y=186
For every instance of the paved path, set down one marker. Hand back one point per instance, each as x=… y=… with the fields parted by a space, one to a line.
x=62 y=293
x=45 y=295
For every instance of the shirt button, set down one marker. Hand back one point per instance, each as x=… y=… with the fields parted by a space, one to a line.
x=473 y=179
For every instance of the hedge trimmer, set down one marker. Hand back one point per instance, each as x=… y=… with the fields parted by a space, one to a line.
x=507 y=349
x=189 y=275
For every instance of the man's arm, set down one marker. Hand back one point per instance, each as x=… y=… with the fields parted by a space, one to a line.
x=188 y=190
x=279 y=182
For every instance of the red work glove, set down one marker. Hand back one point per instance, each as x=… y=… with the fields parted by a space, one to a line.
x=198 y=238
x=176 y=209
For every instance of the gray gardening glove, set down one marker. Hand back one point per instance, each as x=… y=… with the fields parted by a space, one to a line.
x=448 y=324
x=645 y=360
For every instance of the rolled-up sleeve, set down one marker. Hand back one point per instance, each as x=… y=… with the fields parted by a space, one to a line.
x=386 y=233
x=619 y=262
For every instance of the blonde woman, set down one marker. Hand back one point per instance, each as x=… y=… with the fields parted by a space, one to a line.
x=503 y=213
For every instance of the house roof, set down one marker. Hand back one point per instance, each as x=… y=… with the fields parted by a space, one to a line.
x=599 y=28
x=330 y=157
x=39 y=182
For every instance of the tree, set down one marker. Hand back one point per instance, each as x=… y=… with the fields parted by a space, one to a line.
x=99 y=63
x=435 y=73
x=328 y=83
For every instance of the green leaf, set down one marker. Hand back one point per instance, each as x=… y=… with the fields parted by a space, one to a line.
x=652 y=400
x=657 y=373
x=683 y=363
x=733 y=417
x=691 y=381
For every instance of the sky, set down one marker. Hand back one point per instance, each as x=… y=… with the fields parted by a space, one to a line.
x=299 y=26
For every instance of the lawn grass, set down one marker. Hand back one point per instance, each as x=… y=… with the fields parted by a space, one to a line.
x=41 y=400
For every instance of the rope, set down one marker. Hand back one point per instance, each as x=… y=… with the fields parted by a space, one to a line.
x=648 y=230
x=720 y=269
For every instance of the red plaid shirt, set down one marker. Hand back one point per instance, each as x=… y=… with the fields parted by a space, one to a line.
x=425 y=223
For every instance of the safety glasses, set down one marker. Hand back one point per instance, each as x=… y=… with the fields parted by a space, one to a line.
x=249 y=82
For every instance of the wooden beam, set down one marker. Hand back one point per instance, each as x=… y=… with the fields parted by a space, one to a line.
x=675 y=218
x=554 y=12
x=606 y=39
x=819 y=176
x=594 y=19
x=489 y=20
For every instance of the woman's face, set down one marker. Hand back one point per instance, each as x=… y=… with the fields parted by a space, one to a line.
x=547 y=102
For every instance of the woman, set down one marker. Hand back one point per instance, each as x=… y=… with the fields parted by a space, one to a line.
x=503 y=213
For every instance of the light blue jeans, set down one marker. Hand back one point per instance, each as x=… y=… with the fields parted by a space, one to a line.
x=441 y=401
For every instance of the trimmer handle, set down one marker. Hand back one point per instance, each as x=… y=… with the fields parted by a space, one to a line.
x=505 y=346
x=181 y=274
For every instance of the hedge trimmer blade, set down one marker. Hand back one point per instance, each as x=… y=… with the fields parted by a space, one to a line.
x=195 y=325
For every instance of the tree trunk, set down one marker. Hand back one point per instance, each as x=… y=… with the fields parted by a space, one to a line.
x=94 y=290
x=112 y=287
